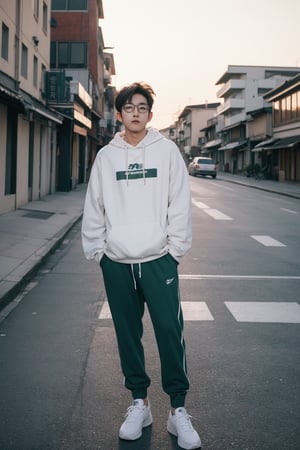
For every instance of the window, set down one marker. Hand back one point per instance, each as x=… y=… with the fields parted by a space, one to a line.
x=69 y=5
x=45 y=17
x=4 y=42
x=24 y=61
x=36 y=9
x=43 y=75
x=53 y=47
x=68 y=54
x=294 y=106
x=63 y=54
x=77 y=54
x=35 y=71
x=286 y=109
x=276 y=112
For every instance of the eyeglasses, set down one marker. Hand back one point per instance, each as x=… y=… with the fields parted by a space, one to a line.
x=141 y=107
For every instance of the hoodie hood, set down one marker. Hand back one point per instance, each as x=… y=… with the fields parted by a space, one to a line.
x=151 y=137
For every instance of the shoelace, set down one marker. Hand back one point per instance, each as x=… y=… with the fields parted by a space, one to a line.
x=185 y=422
x=132 y=412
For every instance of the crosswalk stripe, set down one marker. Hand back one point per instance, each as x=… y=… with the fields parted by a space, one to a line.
x=195 y=311
x=254 y=312
x=267 y=312
x=268 y=241
x=191 y=311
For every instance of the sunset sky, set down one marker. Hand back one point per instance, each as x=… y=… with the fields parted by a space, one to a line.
x=182 y=48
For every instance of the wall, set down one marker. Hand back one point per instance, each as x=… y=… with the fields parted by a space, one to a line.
x=22 y=163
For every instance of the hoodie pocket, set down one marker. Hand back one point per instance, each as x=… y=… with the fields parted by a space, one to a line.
x=136 y=241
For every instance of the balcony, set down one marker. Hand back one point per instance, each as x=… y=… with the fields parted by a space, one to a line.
x=60 y=90
x=231 y=85
x=236 y=119
x=231 y=104
x=76 y=88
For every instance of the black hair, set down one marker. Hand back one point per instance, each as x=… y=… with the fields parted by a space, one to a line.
x=127 y=92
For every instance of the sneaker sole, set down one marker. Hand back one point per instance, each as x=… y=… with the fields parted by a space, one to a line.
x=172 y=430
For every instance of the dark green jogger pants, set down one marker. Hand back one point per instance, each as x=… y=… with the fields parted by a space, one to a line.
x=128 y=287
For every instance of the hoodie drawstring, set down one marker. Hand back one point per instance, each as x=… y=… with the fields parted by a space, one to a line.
x=144 y=164
x=127 y=160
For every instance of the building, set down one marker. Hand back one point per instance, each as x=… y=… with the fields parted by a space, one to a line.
x=28 y=128
x=191 y=121
x=280 y=153
x=80 y=66
x=212 y=139
x=242 y=90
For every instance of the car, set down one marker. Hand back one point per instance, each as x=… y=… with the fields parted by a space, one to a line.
x=202 y=165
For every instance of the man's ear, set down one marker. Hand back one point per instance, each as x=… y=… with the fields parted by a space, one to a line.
x=119 y=116
x=150 y=115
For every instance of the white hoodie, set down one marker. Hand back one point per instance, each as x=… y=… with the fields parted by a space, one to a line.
x=138 y=204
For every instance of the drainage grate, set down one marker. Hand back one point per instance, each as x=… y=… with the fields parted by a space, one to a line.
x=35 y=214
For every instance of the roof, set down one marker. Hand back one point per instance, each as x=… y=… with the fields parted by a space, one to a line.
x=187 y=109
x=235 y=69
x=284 y=88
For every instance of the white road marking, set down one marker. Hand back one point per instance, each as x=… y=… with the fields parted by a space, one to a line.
x=195 y=311
x=105 y=311
x=190 y=310
x=217 y=215
x=199 y=205
x=289 y=210
x=266 y=312
x=220 y=186
x=237 y=277
x=267 y=241
x=254 y=312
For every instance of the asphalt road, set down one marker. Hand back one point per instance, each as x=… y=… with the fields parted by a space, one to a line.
x=61 y=385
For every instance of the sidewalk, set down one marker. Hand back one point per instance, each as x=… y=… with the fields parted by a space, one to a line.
x=29 y=234
x=286 y=188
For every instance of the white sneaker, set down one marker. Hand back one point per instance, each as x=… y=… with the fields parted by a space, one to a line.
x=138 y=416
x=181 y=426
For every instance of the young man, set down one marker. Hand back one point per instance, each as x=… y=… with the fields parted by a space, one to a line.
x=137 y=224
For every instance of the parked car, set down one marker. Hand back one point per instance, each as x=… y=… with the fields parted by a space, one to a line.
x=202 y=165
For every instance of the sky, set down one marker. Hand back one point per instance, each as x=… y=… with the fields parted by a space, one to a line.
x=182 y=47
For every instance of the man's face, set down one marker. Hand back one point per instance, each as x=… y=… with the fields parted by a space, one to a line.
x=135 y=114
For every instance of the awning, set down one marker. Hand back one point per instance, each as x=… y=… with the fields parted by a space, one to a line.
x=267 y=142
x=275 y=144
x=10 y=93
x=234 y=145
x=213 y=143
x=11 y=97
x=32 y=104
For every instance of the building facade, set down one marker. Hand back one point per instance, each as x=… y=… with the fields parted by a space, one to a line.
x=28 y=127
x=78 y=52
x=242 y=90
x=281 y=152
x=191 y=121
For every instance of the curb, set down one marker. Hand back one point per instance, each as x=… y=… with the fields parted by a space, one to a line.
x=261 y=188
x=28 y=268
